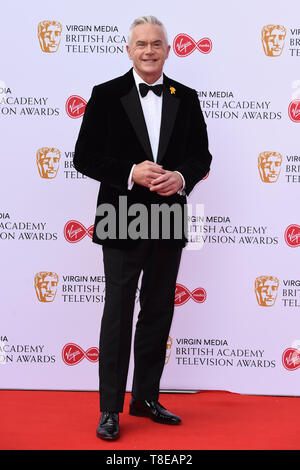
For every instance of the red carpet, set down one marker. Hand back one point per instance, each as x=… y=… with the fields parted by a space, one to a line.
x=210 y=420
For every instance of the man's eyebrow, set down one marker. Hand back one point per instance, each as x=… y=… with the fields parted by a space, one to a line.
x=140 y=41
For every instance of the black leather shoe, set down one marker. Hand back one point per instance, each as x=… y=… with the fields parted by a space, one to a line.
x=152 y=410
x=108 y=427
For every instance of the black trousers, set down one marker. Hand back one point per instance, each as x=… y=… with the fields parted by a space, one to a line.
x=159 y=261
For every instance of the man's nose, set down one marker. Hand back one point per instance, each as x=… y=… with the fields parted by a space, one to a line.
x=149 y=49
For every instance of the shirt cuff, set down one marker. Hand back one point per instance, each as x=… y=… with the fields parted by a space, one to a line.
x=181 y=190
x=130 y=183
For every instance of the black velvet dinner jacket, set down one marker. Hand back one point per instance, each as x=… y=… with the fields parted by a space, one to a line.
x=113 y=136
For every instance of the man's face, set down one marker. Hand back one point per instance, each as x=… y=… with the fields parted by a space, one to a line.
x=275 y=42
x=148 y=50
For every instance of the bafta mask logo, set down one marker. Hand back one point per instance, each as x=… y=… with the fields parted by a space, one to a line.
x=47 y=159
x=272 y=38
x=266 y=289
x=269 y=166
x=45 y=284
x=168 y=349
x=49 y=34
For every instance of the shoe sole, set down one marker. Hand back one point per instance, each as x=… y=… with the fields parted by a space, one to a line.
x=108 y=438
x=140 y=414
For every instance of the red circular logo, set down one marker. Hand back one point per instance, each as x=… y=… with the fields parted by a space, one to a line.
x=74 y=231
x=184 y=45
x=72 y=354
x=294 y=110
x=292 y=235
x=182 y=295
x=75 y=106
x=291 y=359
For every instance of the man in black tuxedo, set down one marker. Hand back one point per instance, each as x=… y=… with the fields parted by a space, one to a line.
x=148 y=147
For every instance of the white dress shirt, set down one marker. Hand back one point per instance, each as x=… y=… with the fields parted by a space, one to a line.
x=151 y=106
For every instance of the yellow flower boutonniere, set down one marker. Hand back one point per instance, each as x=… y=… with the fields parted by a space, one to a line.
x=172 y=90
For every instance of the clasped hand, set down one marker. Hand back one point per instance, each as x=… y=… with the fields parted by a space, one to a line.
x=154 y=177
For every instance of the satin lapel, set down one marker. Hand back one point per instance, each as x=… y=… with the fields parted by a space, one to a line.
x=169 y=111
x=133 y=108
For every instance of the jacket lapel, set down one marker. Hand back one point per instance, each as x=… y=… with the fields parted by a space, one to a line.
x=132 y=105
x=133 y=108
x=169 y=112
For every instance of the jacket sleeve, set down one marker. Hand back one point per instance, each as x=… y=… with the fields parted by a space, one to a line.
x=198 y=158
x=91 y=156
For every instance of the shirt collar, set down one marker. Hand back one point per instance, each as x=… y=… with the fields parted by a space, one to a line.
x=138 y=80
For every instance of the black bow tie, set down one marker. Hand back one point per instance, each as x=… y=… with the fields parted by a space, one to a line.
x=144 y=88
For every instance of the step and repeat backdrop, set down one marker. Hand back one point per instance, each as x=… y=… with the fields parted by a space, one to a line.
x=236 y=324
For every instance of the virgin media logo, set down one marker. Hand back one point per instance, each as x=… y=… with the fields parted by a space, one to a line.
x=184 y=45
x=292 y=235
x=291 y=359
x=72 y=354
x=294 y=110
x=182 y=295
x=75 y=106
x=74 y=231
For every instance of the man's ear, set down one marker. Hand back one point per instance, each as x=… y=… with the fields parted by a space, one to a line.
x=168 y=50
x=128 y=49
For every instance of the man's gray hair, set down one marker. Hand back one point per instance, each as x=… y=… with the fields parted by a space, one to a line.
x=149 y=19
